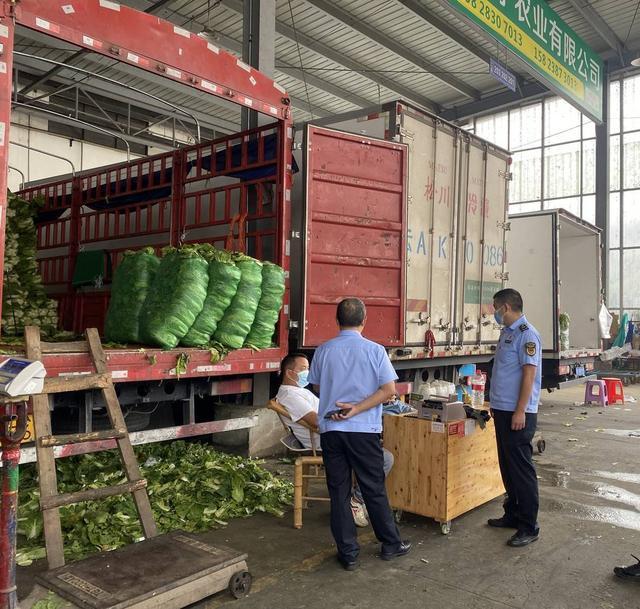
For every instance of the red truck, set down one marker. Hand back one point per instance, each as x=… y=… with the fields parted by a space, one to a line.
x=412 y=221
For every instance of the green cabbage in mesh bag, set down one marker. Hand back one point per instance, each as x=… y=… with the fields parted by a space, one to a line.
x=131 y=282
x=269 y=307
x=175 y=299
x=224 y=277
x=238 y=319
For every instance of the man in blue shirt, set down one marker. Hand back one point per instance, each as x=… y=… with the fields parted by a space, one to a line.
x=355 y=377
x=515 y=389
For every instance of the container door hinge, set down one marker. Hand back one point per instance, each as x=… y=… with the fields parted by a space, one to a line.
x=295 y=234
x=507 y=175
x=504 y=276
x=503 y=225
x=293 y=324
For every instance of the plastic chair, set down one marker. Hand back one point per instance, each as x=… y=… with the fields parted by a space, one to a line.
x=615 y=392
x=307 y=465
x=595 y=392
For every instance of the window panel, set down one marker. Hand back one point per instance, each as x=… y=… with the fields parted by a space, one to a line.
x=589 y=208
x=614 y=219
x=494 y=129
x=631 y=216
x=561 y=121
x=521 y=208
x=588 y=167
x=571 y=204
x=614 y=107
x=614 y=162
x=562 y=170
x=631 y=288
x=613 y=296
x=631 y=163
x=525 y=127
x=588 y=128
x=527 y=176
x=630 y=97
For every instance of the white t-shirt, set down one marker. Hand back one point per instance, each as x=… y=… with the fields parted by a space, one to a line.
x=299 y=402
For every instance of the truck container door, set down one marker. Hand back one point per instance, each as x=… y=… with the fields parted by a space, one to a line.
x=533 y=271
x=433 y=162
x=481 y=246
x=354 y=240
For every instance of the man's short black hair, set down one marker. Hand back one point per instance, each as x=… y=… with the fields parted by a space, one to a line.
x=351 y=313
x=289 y=362
x=510 y=297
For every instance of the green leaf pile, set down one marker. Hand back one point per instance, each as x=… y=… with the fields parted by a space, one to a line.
x=24 y=301
x=191 y=487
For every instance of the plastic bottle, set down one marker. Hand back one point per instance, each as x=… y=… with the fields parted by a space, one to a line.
x=477 y=390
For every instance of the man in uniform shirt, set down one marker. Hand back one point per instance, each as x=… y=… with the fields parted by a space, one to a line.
x=515 y=389
x=355 y=378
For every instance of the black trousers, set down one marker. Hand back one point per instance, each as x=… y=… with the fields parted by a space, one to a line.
x=515 y=455
x=360 y=453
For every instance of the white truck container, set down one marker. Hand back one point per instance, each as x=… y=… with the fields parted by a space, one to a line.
x=554 y=262
x=454 y=239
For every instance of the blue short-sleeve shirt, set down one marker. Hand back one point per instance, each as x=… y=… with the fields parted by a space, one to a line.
x=350 y=368
x=519 y=345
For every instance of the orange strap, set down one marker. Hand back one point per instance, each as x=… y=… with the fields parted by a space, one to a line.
x=240 y=220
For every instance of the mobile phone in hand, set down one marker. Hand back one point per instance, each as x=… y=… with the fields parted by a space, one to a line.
x=332 y=412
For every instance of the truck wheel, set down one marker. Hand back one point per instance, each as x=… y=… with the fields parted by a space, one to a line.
x=240 y=584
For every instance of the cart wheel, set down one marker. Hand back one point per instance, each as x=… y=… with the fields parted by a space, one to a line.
x=445 y=527
x=240 y=584
x=541 y=445
x=397 y=516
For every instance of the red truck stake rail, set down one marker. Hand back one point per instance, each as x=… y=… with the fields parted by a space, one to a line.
x=188 y=195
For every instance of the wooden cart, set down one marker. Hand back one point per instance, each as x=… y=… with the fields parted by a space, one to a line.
x=439 y=472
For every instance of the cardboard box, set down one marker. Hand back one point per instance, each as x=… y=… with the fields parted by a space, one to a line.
x=469 y=426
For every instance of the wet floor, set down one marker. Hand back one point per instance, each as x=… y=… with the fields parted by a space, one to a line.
x=589 y=479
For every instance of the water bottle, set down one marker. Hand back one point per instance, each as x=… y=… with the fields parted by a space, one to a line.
x=477 y=390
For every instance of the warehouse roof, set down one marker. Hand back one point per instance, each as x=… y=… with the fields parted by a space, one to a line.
x=333 y=57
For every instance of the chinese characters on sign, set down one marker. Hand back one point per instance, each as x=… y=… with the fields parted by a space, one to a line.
x=536 y=34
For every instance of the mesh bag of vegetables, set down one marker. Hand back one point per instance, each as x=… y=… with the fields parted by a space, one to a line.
x=224 y=277
x=24 y=299
x=175 y=298
x=238 y=319
x=131 y=283
x=269 y=307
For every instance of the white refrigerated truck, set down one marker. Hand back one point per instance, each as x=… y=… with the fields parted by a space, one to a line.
x=554 y=262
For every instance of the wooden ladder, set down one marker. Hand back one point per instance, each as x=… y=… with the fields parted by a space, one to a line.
x=50 y=500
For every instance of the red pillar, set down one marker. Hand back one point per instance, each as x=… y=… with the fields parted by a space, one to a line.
x=7 y=28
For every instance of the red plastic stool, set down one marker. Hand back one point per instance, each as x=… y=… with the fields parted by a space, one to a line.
x=595 y=392
x=615 y=392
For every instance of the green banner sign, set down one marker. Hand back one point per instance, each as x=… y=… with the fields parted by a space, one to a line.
x=536 y=34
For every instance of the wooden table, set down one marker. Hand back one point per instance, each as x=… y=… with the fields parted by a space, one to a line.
x=438 y=473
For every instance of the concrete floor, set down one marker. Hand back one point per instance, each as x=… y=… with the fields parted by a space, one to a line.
x=590 y=521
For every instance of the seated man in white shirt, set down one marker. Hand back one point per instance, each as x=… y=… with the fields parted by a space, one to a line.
x=302 y=404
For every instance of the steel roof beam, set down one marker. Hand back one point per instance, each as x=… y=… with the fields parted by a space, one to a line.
x=322 y=49
x=494 y=103
x=234 y=45
x=390 y=44
x=594 y=19
x=426 y=14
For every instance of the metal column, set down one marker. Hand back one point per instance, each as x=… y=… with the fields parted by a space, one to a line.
x=258 y=47
x=7 y=29
x=602 y=183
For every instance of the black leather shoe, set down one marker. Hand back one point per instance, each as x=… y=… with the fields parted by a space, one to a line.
x=631 y=572
x=404 y=548
x=502 y=523
x=521 y=539
x=348 y=564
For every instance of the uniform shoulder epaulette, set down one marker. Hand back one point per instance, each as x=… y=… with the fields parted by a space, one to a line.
x=524 y=327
